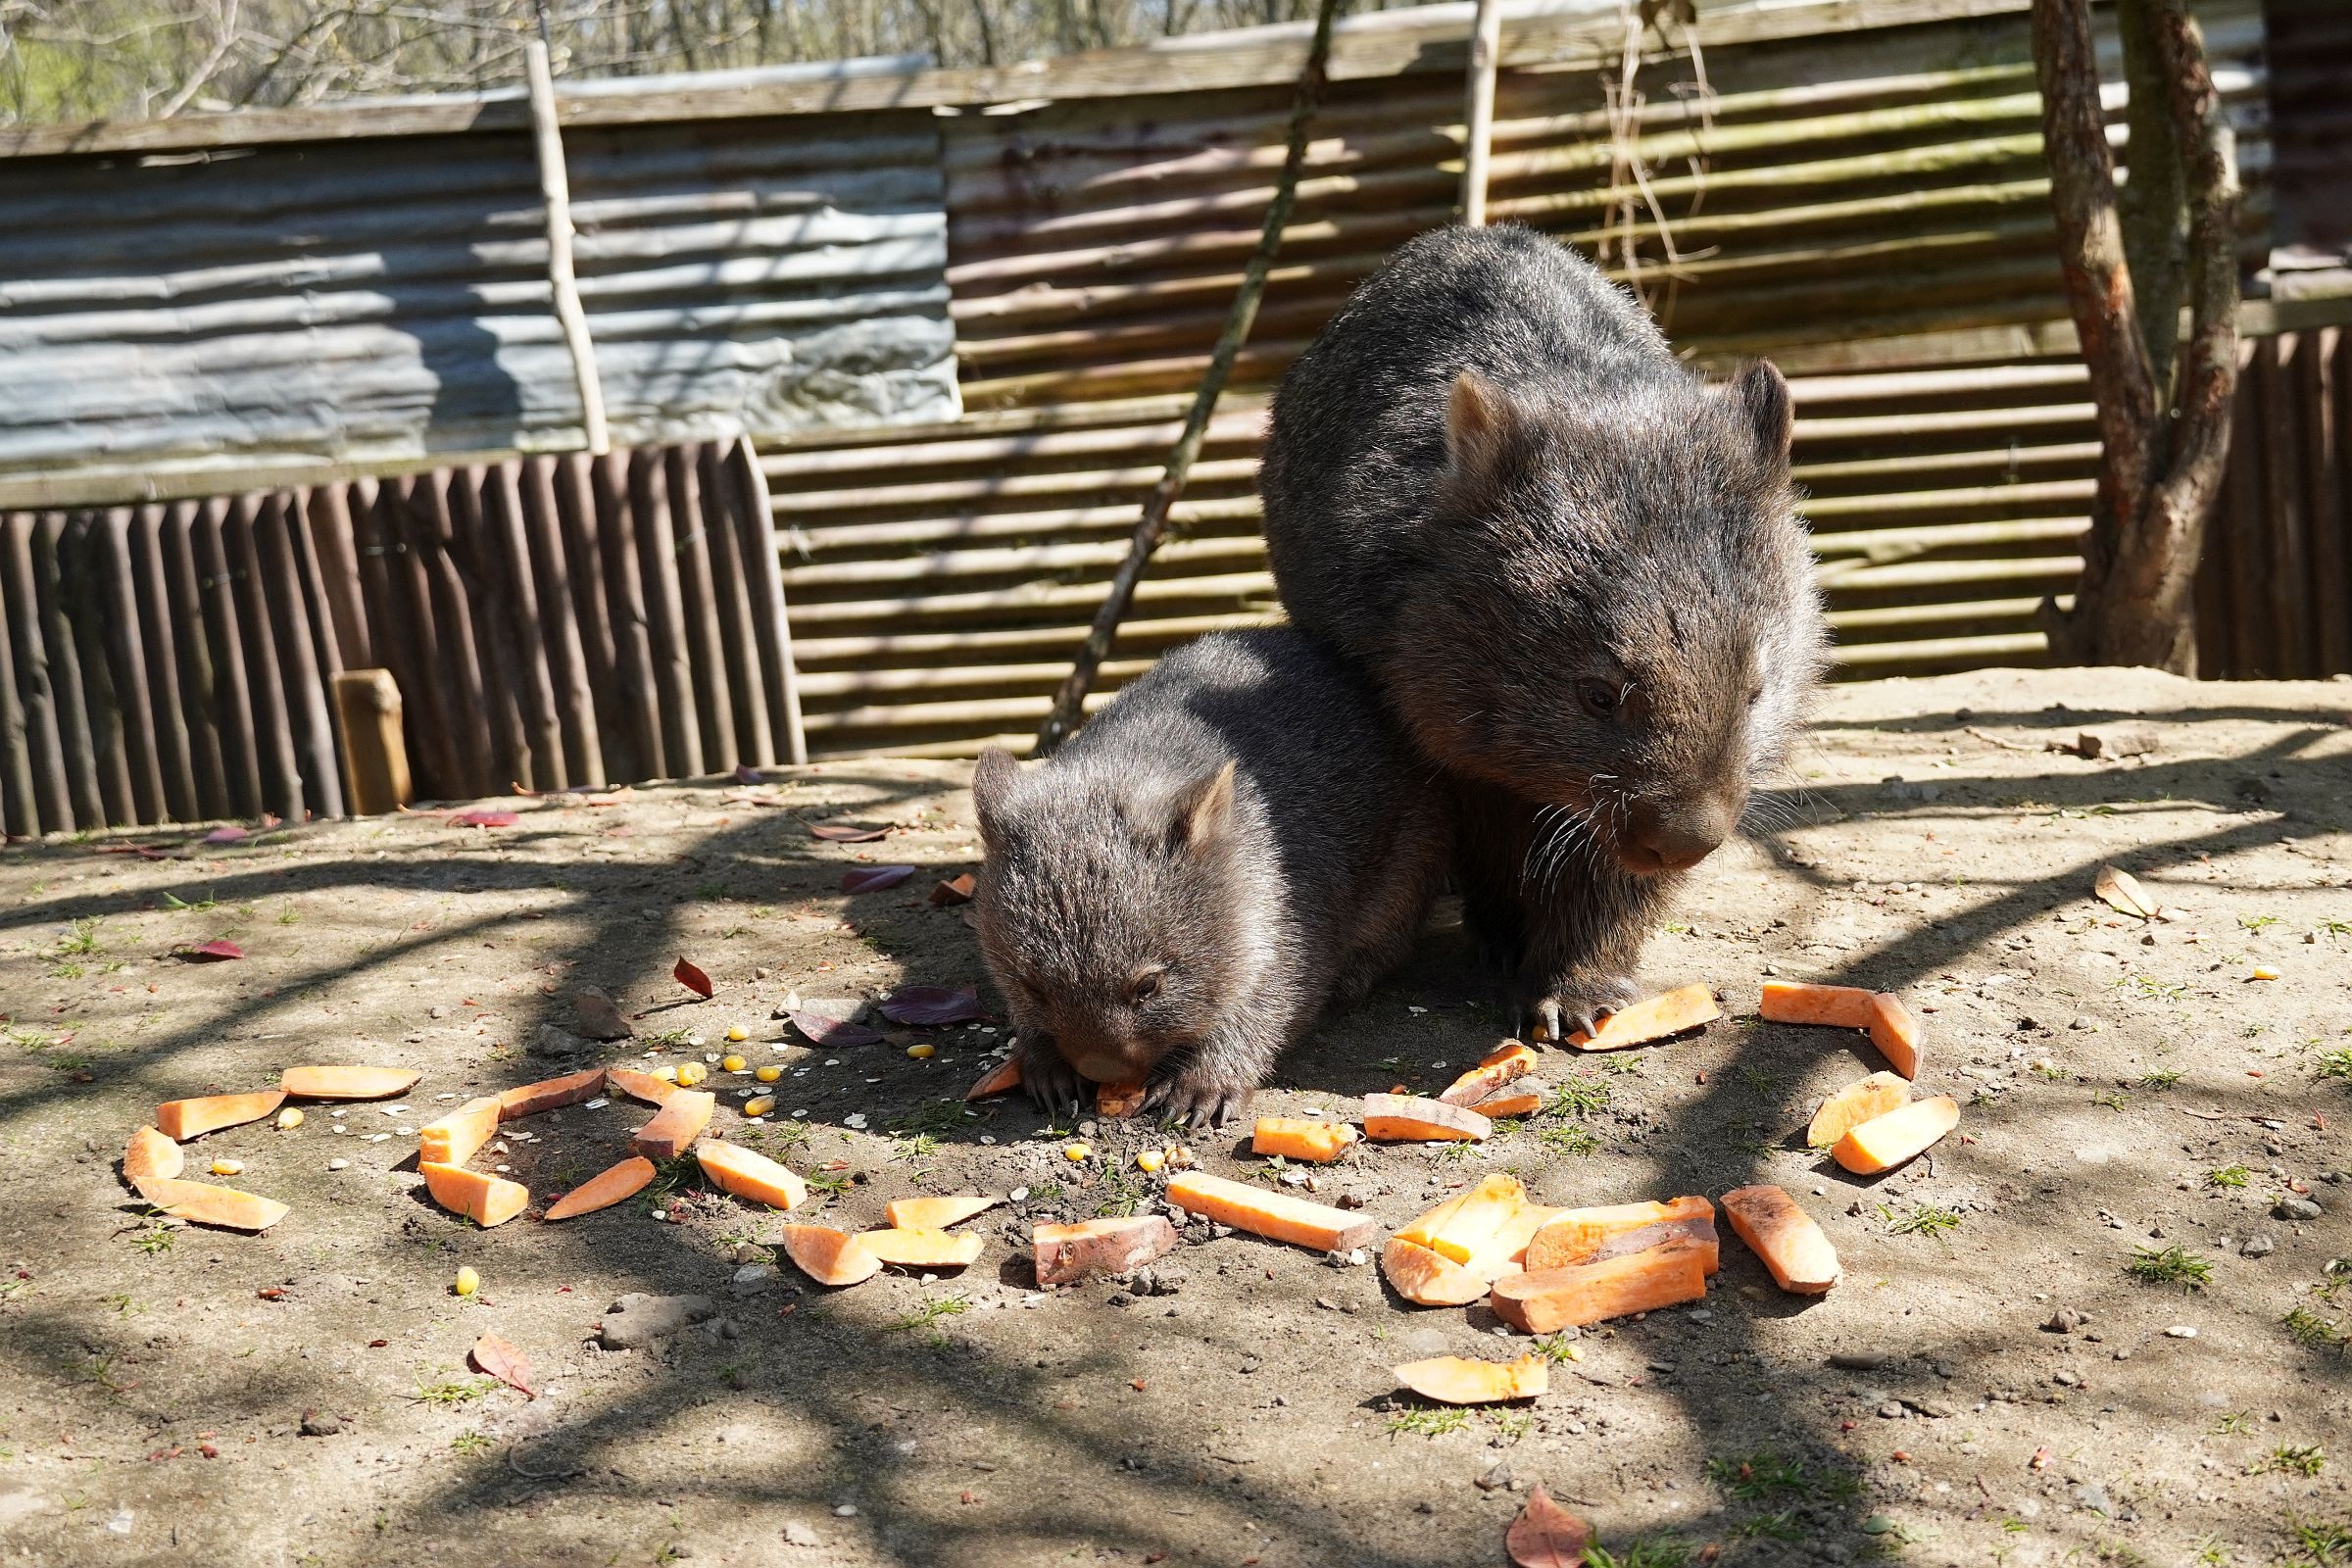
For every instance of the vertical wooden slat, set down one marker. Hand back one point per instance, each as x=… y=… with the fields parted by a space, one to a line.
x=505 y=543
x=212 y=751
x=286 y=597
x=720 y=499
x=772 y=624
x=473 y=549
x=2249 y=542
x=636 y=690
x=2324 y=479
x=567 y=666
x=88 y=601
x=112 y=543
x=19 y=812
x=43 y=749
x=333 y=546
x=66 y=673
x=272 y=725
x=159 y=642
x=664 y=617
x=2283 y=507
x=455 y=666
x=232 y=712
x=398 y=605
x=698 y=608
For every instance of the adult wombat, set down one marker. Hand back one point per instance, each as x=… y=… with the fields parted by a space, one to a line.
x=1573 y=569
x=1240 y=839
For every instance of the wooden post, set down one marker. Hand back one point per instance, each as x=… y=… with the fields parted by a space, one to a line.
x=1478 y=118
x=555 y=190
x=375 y=756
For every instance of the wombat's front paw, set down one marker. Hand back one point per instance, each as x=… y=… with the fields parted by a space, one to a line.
x=1201 y=1097
x=1052 y=1083
x=1577 y=1004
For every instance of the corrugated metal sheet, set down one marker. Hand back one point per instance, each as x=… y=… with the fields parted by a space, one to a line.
x=376 y=301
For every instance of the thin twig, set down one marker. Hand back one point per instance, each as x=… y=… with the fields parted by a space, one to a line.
x=535 y=1475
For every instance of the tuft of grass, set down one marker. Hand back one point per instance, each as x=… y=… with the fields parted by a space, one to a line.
x=831 y=1183
x=450 y=1393
x=156 y=1239
x=1579 y=1097
x=2235 y=1424
x=1122 y=1194
x=1578 y=1141
x=2321 y=1544
x=2336 y=1063
x=468 y=1444
x=2308 y=1328
x=2171 y=1266
x=2162 y=1078
x=1647 y=1552
x=2112 y=1100
x=933 y=1119
x=2306 y=1460
x=930 y=1312
x=1758 y=1080
x=2228 y=1176
x=1557 y=1347
x=1624 y=1062
x=1925 y=1219
x=1765 y=1476
x=2257 y=923
x=1432 y=1422
x=1513 y=1425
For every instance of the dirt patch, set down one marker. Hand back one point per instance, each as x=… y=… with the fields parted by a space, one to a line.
x=2127 y=1087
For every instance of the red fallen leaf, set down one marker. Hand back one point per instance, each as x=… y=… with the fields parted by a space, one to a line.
x=752 y=798
x=272 y=1293
x=486 y=818
x=228 y=833
x=692 y=978
x=209 y=953
x=844 y=833
x=956 y=890
x=834 y=1164
x=824 y=1031
x=1547 y=1535
x=874 y=878
x=207 y=1450
x=497 y=1358
x=924 y=1006
x=377 y=1345
x=971 y=1497
x=142 y=851
x=744 y=773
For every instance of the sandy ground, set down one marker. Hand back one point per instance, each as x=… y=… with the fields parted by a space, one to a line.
x=2117 y=1081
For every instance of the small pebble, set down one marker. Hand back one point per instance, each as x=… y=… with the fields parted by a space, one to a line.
x=338 y=1164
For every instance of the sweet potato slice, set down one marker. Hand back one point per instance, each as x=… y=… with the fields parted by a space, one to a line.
x=486 y=1201
x=748 y=1173
x=457 y=1137
x=1430 y=1278
x=347 y=1083
x=1468 y=1222
x=1500 y=1067
x=1574 y=1235
x=1850 y=1108
x=1546 y=1300
x=1522 y=1098
x=550 y=1094
x=149 y=1154
x=1295 y=1137
x=1120 y=1101
x=604 y=1189
x=1696 y=1234
x=829 y=1257
x=1885 y=1142
x=1674 y=1013
x=909 y=1246
x=1895 y=1031
x=677 y=1125
x=1001 y=1079
x=1410 y=1119
x=1068 y=1254
x=937 y=1213
x=1796 y=1001
x=1781 y=1233
x=639 y=1085
x=204 y=1203
x=183 y=1119
x=1277 y=1216
x=1458 y=1380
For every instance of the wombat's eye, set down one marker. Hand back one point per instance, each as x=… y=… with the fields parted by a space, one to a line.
x=1600 y=697
x=1145 y=986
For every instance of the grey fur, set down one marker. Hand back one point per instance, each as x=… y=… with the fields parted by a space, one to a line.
x=1490 y=483
x=1243 y=820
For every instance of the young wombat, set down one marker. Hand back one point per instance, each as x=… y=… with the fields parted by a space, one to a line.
x=1573 y=569
x=1238 y=839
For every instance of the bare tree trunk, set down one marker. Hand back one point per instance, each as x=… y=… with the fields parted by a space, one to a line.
x=2164 y=442
x=2155 y=209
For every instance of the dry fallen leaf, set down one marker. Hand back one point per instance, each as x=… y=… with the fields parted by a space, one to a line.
x=824 y=1031
x=692 y=978
x=209 y=953
x=485 y=818
x=844 y=833
x=495 y=1357
x=928 y=1006
x=956 y=890
x=2120 y=890
x=1547 y=1535
x=874 y=878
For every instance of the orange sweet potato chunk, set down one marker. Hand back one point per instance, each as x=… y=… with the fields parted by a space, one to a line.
x=1885 y=1142
x=1430 y=1278
x=1295 y=1137
x=1277 y=1216
x=1575 y=1235
x=1895 y=1031
x=205 y=1203
x=457 y=1137
x=550 y=1094
x=1850 y=1108
x=486 y=1201
x=1001 y=1079
x=1522 y=1098
x=937 y=1213
x=1119 y=1101
x=829 y=1257
x=640 y=1085
x=749 y=1174
x=1789 y=1241
x=910 y=1247
x=1502 y=1064
x=347 y=1083
x=149 y=1154
x=1458 y=1380
x=1411 y=1119
x=603 y=1190
x=1675 y=1012
x=183 y=1119
x=1546 y=1300
x=1068 y=1254
x=1468 y=1223
x=1796 y=1001
x=677 y=1125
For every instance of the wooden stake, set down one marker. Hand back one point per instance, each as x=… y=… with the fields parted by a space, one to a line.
x=555 y=190
x=1477 y=119
x=375 y=755
x=1069 y=703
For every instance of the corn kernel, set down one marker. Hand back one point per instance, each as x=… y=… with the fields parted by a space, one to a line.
x=692 y=1073
x=1179 y=1156
x=1076 y=1153
x=2265 y=972
x=759 y=1107
x=469 y=1281
x=669 y=1076
x=1149 y=1161
x=289 y=1118
x=768 y=1076
x=229 y=1167
x=730 y=1064
x=921 y=1049
x=738 y=1033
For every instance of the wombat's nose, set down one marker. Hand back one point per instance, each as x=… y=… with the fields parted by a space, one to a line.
x=1675 y=836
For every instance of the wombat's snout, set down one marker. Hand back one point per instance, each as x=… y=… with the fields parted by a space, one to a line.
x=1675 y=835
x=1108 y=1066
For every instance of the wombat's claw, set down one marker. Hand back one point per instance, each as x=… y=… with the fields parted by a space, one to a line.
x=1197 y=1106
x=1555 y=1018
x=1051 y=1085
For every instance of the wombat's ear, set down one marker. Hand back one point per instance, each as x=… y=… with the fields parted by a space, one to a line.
x=1478 y=413
x=1762 y=399
x=993 y=779
x=1204 y=812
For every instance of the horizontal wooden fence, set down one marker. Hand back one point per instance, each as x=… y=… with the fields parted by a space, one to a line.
x=551 y=622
